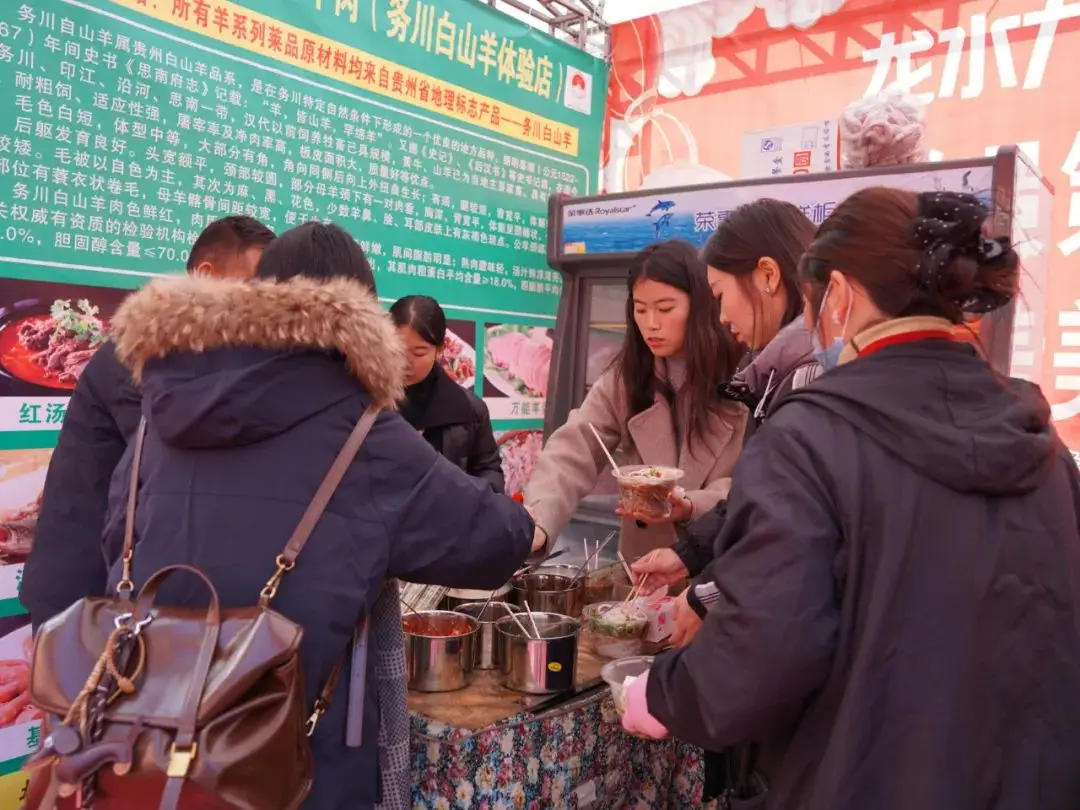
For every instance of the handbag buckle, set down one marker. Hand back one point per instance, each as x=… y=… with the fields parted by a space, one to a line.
x=180 y=760
x=270 y=589
x=124 y=620
x=313 y=720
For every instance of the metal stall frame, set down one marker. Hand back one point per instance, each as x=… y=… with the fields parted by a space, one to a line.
x=579 y=272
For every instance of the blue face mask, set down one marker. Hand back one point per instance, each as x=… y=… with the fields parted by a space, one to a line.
x=829 y=357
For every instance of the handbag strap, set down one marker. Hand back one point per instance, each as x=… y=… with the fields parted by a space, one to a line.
x=126 y=587
x=286 y=560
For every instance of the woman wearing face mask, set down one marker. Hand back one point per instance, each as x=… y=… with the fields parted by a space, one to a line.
x=452 y=420
x=899 y=600
x=753 y=261
x=657 y=404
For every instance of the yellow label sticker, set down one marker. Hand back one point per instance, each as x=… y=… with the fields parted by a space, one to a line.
x=555 y=666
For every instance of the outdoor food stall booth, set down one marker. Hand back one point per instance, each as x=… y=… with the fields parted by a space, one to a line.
x=512 y=710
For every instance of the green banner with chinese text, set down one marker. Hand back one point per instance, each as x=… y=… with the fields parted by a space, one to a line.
x=432 y=131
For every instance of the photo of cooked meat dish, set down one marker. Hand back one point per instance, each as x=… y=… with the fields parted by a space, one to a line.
x=17 y=531
x=49 y=332
x=457 y=355
x=58 y=345
x=22 y=477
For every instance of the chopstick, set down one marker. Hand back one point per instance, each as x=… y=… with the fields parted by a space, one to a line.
x=596 y=552
x=532 y=619
x=635 y=592
x=517 y=621
x=610 y=458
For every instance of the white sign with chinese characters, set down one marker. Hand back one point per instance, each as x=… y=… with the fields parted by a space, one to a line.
x=32 y=413
x=795 y=149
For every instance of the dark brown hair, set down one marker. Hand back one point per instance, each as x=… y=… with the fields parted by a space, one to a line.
x=227 y=237
x=915 y=254
x=709 y=350
x=761 y=228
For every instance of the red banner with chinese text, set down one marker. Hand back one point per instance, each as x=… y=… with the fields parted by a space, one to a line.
x=686 y=85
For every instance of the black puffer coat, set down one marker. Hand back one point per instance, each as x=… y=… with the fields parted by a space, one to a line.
x=66 y=563
x=456 y=423
x=897 y=604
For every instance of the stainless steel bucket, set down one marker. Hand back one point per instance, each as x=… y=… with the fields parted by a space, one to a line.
x=456 y=597
x=539 y=666
x=549 y=593
x=487 y=652
x=437 y=663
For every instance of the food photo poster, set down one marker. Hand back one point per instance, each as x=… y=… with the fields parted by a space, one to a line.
x=48 y=333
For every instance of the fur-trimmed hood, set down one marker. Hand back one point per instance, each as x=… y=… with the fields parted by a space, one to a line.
x=224 y=363
x=199 y=314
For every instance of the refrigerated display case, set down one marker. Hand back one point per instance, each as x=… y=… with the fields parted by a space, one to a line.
x=591 y=241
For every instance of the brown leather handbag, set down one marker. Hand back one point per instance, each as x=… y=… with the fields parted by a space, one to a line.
x=172 y=707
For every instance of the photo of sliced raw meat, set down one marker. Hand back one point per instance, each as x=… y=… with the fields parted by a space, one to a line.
x=517 y=360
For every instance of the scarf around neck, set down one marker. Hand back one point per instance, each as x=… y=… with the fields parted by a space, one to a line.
x=436 y=401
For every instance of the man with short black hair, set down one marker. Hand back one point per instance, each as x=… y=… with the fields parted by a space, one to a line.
x=66 y=562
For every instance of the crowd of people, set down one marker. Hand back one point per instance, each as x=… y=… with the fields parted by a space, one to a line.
x=880 y=531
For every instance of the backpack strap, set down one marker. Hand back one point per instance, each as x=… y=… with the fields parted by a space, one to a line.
x=286 y=560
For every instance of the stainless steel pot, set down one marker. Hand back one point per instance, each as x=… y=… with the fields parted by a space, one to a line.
x=539 y=666
x=487 y=652
x=549 y=593
x=456 y=597
x=438 y=663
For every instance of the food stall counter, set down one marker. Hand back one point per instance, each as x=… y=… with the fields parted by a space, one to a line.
x=483 y=747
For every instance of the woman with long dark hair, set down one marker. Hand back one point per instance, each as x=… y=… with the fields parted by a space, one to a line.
x=753 y=267
x=657 y=404
x=452 y=420
x=899 y=596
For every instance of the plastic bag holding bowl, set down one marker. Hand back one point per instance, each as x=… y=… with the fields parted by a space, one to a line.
x=644 y=489
x=620 y=674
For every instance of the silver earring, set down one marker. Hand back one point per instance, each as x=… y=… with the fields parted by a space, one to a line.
x=768 y=289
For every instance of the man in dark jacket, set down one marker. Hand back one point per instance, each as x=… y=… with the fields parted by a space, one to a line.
x=898 y=597
x=66 y=562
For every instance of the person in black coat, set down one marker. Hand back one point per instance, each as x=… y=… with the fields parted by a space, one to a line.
x=897 y=594
x=250 y=389
x=453 y=420
x=65 y=562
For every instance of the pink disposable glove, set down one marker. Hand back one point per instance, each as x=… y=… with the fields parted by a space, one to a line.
x=637 y=719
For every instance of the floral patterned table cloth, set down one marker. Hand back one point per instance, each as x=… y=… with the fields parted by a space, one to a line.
x=578 y=758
